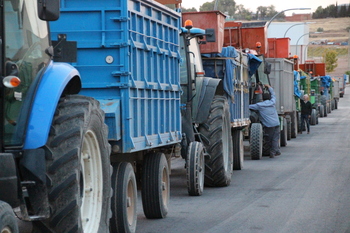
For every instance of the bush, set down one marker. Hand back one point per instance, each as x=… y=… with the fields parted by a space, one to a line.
x=319 y=29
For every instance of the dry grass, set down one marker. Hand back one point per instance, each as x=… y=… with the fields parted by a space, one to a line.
x=334 y=29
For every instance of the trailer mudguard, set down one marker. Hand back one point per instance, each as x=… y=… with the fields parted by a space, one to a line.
x=53 y=83
x=209 y=88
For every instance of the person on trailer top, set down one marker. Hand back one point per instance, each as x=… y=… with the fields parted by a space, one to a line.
x=269 y=119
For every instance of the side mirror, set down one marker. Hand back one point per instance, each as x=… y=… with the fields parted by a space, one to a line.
x=210 y=35
x=49 y=10
x=11 y=69
x=267 y=69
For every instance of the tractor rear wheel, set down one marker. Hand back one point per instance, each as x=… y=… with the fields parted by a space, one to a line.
x=216 y=136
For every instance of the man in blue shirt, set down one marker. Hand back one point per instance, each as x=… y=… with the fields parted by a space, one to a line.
x=269 y=119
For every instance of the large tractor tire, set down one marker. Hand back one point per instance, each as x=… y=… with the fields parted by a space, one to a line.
x=124 y=199
x=78 y=169
x=195 y=169
x=8 y=220
x=256 y=141
x=216 y=136
x=313 y=117
x=155 y=186
x=283 y=138
x=238 y=149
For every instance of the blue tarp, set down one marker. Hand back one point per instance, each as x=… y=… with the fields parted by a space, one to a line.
x=230 y=77
x=229 y=51
x=326 y=81
x=253 y=63
x=296 y=87
x=230 y=65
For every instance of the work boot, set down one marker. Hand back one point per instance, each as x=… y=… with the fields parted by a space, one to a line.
x=272 y=156
x=278 y=153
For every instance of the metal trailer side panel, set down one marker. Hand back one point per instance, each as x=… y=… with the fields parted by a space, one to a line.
x=336 y=89
x=315 y=90
x=239 y=103
x=128 y=58
x=282 y=80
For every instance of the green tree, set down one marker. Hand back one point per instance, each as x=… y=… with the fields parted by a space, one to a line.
x=319 y=13
x=243 y=13
x=207 y=6
x=330 y=59
x=261 y=12
x=193 y=9
x=342 y=12
x=227 y=7
x=271 y=11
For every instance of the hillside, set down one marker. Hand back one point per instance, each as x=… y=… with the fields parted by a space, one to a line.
x=334 y=31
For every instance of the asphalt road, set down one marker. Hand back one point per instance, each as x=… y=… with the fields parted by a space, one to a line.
x=306 y=189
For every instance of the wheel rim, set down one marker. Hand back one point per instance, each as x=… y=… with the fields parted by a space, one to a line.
x=6 y=230
x=92 y=177
x=225 y=141
x=131 y=196
x=165 y=187
x=201 y=169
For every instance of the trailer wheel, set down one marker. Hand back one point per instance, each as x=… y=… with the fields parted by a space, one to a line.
x=195 y=167
x=289 y=128
x=332 y=104
x=216 y=136
x=335 y=104
x=256 y=141
x=283 y=137
x=294 y=125
x=124 y=199
x=238 y=149
x=8 y=220
x=155 y=186
x=313 y=117
x=322 y=111
x=78 y=169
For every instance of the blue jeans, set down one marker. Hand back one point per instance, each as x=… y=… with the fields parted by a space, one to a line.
x=273 y=138
x=305 y=118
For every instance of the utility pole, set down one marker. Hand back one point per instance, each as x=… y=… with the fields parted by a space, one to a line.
x=349 y=51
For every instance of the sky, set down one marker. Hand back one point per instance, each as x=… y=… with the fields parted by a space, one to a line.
x=279 y=4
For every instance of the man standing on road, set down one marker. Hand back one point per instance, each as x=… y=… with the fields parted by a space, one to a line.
x=306 y=109
x=269 y=118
